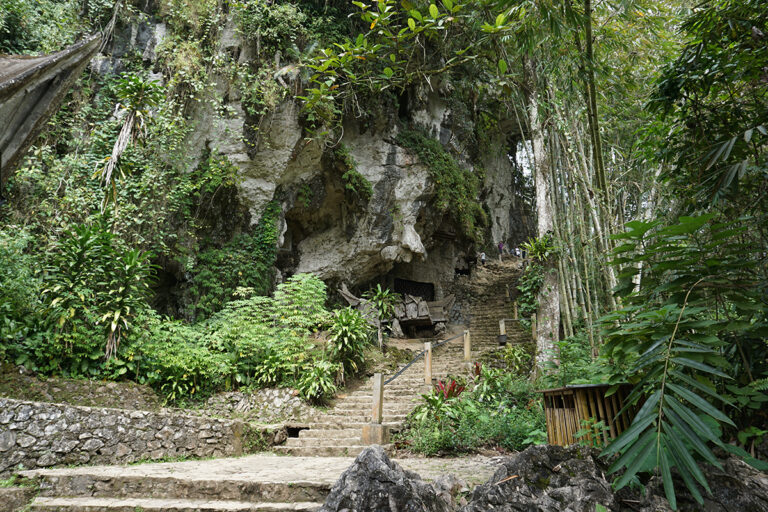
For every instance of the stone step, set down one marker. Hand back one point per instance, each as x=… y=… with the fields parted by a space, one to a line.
x=346 y=425
x=390 y=409
x=342 y=433
x=361 y=418
x=170 y=486
x=294 y=442
x=321 y=451
x=101 y=504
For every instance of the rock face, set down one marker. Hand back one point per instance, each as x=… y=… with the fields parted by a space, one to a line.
x=572 y=479
x=374 y=482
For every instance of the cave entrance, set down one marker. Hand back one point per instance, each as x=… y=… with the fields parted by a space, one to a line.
x=424 y=290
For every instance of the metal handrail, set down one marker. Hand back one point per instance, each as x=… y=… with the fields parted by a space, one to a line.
x=419 y=356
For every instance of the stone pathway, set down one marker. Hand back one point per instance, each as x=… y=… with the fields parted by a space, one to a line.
x=263 y=482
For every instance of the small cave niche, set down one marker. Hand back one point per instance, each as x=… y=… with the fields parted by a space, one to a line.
x=403 y=112
x=415 y=288
x=294 y=431
x=167 y=298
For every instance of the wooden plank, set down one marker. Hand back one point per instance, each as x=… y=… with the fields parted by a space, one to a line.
x=610 y=411
x=601 y=410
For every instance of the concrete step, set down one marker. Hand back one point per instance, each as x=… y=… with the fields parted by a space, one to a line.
x=101 y=504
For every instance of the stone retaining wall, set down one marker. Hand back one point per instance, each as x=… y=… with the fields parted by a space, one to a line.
x=37 y=434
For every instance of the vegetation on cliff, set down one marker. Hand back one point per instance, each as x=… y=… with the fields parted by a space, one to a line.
x=642 y=124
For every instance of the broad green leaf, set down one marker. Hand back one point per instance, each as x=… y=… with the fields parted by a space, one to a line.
x=666 y=475
x=433 y=11
x=411 y=24
x=699 y=402
x=502 y=66
x=684 y=361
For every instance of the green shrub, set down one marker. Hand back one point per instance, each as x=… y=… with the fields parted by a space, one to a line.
x=349 y=334
x=20 y=287
x=300 y=303
x=174 y=358
x=94 y=284
x=497 y=410
x=317 y=382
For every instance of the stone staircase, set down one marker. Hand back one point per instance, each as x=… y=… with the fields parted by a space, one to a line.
x=338 y=432
x=261 y=482
x=100 y=491
x=493 y=289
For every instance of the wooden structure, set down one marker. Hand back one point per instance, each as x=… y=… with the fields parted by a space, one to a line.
x=31 y=90
x=411 y=311
x=566 y=408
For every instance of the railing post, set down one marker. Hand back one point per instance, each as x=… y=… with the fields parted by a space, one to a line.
x=514 y=310
x=376 y=432
x=467 y=346
x=533 y=326
x=378 y=398
x=502 y=327
x=428 y=363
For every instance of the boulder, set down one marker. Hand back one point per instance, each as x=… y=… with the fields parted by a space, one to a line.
x=545 y=478
x=573 y=479
x=374 y=482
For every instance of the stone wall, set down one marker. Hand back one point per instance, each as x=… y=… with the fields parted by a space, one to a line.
x=38 y=434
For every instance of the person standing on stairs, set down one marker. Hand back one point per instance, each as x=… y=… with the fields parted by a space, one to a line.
x=501 y=249
x=482 y=259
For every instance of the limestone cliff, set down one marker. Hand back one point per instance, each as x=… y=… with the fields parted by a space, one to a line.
x=396 y=234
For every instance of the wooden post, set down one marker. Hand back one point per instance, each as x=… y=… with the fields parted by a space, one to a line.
x=533 y=326
x=428 y=364
x=378 y=398
x=467 y=346
x=502 y=327
x=514 y=309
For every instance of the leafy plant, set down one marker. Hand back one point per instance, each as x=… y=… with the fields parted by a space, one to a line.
x=383 y=300
x=495 y=410
x=354 y=183
x=541 y=248
x=528 y=287
x=137 y=98
x=349 y=334
x=93 y=281
x=591 y=433
x=318 y=381
x=450 y=389
x=698 y=294
x=517 y=358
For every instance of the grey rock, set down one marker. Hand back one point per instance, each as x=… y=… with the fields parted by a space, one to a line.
x=93 y=444
x=47 y=459
x=7 y=440
x=374 y=482
x=545 y=479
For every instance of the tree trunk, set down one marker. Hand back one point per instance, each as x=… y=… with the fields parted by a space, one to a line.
x=548 y=315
